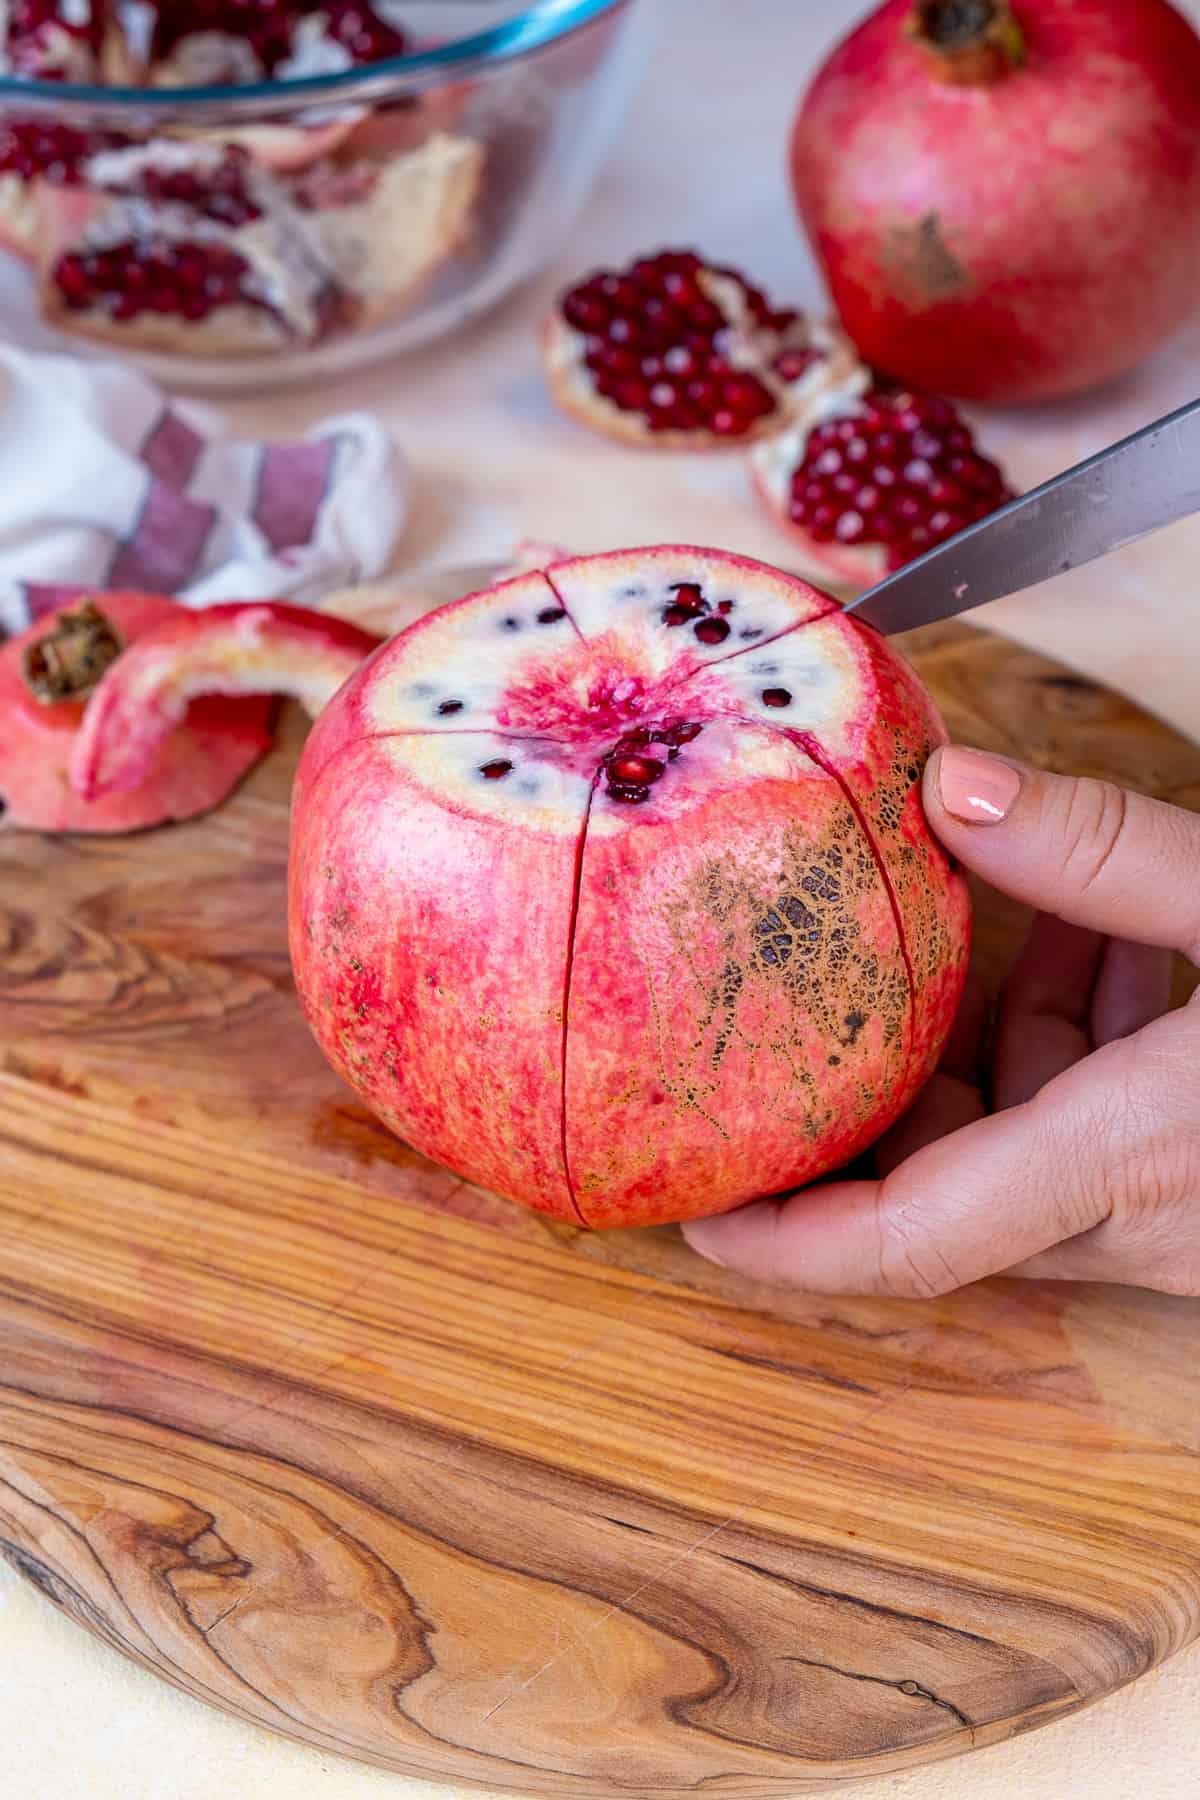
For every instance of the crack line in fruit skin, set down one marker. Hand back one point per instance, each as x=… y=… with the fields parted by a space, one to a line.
x=810 y=746
x=545 y=575
x=568 y=972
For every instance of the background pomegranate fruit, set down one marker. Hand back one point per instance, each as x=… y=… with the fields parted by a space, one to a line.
x=611 y=888
x=1005 y=197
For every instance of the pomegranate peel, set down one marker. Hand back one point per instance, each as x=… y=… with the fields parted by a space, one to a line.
x=681 y=354
x=215 y=743
x=1005 y=199
x=610 y=886
x=874 y=480
x=244 y=648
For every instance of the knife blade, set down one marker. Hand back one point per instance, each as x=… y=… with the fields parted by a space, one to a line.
x=1123 y=493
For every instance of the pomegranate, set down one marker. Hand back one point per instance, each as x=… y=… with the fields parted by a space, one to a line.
x=1005 y=197
x=680 y=353
x=610 y=885
x=45 y=675
x=231 y=41
x=879 y=479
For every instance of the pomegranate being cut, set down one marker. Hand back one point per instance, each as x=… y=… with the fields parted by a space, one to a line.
x=610 y=885
x=879 y=479
x=46 y=674
x=679 y=353
x=1005 y=194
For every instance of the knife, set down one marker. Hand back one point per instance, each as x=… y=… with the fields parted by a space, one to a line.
x=1125 y=492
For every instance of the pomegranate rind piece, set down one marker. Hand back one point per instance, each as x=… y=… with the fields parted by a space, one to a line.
x=414 y=216
x=214 y=745
x=628 y=979
x=753 y=348
x=250 y=647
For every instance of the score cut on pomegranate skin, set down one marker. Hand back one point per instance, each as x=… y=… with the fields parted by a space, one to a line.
x=611 y=889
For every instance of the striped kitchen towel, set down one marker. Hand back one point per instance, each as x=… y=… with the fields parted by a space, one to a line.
x=104 y=482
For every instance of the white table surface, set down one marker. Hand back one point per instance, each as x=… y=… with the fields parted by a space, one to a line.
x=699 y=162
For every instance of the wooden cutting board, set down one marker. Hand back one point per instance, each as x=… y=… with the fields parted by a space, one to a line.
x=332 y=1440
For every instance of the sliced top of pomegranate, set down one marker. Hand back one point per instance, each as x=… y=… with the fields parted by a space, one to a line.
x=682 y=353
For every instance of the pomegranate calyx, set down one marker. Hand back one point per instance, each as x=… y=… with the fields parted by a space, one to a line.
x=69 y=660
x=970 y=43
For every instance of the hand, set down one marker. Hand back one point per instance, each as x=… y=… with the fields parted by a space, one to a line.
x=1088 y=1166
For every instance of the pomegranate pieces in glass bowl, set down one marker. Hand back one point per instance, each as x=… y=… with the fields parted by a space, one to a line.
x=239 y=192
x=675 y=352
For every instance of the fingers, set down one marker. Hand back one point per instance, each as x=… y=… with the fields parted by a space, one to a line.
x=1071 y=991
x=1083 y=850
x=1104 y=1139
x=1043 y=1025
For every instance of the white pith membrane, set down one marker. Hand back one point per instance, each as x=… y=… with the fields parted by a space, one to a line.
x=510 y=708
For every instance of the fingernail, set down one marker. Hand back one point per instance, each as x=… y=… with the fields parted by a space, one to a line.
x=978 y=789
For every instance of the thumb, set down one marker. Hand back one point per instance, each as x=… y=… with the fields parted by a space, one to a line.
x=1088 y=851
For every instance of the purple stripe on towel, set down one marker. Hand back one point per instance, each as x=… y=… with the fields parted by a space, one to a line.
x=167 y=546
x=172 y=450
x=293 y=480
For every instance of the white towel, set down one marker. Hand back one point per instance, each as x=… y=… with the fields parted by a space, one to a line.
x=107 y=483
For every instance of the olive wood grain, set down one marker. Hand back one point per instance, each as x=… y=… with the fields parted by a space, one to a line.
x=336 y=1442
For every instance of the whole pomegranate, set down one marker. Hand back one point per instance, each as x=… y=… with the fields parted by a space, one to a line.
x=611 y=889
x=1005 y=197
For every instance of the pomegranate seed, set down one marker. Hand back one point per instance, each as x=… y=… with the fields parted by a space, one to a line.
x=450 y=706
x=776 y=697
x=793 y=365
x=495 y=771
x=181 y=280
x=681 y=734
x=269 y=27
x=635 y=770
x=630 y=796
x=711 y=631
x=550 y=615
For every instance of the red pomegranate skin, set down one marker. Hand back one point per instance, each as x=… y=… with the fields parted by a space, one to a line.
x=1014 y=241
x=622 y=1002
x=216 y=744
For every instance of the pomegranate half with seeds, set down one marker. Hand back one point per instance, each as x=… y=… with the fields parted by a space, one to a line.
x=679 y=353
x=611 y=887
x=881 y=478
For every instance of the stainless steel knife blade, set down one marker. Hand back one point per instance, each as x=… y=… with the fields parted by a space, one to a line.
x=1134 y=487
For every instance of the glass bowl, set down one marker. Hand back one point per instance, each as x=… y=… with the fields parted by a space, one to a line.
x=229 y=237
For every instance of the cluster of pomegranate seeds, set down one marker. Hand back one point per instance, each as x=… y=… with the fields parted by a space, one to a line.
x=269 y=26
x=219 y=193
x=901 y=471
x=39 y=147
x=637 y=760
x=709 y=623
x=180 y=280
x=657 y=344
x=360 y=30
x=30 y=24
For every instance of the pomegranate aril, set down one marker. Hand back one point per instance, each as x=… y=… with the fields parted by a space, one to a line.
x=448 y=707
x=550 y=615
x=711 y=631
x=635 y=770
x=629 y=795
x=495 y=771
x=776 y=696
